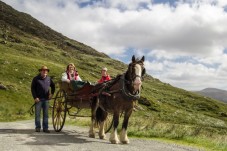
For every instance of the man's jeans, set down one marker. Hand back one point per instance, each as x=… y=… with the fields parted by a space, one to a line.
x=42 y=104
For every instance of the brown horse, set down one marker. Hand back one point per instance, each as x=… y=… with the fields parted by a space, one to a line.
x=123 y=91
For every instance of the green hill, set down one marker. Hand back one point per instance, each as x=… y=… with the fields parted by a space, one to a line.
x=169 y=112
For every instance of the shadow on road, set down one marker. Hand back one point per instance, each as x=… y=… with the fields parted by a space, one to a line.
x=53 y=138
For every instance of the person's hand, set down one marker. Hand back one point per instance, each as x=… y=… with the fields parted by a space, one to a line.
x=68 y=81
x=50 y=96
x=36 y=100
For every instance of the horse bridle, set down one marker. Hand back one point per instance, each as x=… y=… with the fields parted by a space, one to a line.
x=134 y=77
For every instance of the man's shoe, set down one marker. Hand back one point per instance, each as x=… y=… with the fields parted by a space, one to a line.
x=37 y=130
x=46 y=131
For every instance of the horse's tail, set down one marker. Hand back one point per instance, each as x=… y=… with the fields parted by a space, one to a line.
x=100 y=115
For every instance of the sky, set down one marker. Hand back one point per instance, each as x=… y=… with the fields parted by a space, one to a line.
x=184 y=41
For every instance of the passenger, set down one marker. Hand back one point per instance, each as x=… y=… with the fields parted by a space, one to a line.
x=105 y=76
x=70 y=74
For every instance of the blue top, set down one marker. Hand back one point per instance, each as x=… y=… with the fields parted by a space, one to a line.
x=40 y=87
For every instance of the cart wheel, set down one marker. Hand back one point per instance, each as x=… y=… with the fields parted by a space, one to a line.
x=108 y=123
x=59 y=111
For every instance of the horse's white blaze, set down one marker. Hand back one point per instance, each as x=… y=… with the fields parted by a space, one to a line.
x=102 y=131
x=113 y=137
x=137 y=81
x=123 y=137
x=92 y=130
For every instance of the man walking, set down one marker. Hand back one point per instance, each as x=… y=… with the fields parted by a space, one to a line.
x=40 y=92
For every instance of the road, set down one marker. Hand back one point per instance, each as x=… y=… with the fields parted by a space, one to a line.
x=20 y=136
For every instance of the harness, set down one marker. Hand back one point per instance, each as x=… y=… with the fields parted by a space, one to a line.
x=123 y=90
x=126 y=92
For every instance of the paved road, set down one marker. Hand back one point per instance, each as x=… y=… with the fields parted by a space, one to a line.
x=20 y=136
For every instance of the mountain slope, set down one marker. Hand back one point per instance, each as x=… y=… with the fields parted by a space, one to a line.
x=26 y=44
x=24 y=23
x=214 y=93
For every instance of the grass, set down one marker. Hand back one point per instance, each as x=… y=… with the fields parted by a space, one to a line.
x=205 y=138
x=173 y=113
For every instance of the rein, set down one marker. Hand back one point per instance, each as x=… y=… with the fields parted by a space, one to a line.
x=31 y=110
x=123 y=82
x=122 y=89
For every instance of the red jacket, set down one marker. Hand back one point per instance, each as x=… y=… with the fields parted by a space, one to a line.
x=104 y=79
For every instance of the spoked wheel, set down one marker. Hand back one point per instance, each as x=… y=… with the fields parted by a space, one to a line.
x=59 y=111
x=108 y=123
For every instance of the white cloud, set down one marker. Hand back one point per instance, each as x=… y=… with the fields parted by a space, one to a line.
x=154 y=66
x=125 y=4
x=194 y=33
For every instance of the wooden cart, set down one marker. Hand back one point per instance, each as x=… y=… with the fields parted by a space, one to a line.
x=66 y=99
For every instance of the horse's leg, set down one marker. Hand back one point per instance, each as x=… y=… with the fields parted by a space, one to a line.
x=113 y=136
x=123 y=136
x=102 y=134
x=94 y=107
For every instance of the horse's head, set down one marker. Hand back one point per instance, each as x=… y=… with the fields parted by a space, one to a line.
x=136 y=72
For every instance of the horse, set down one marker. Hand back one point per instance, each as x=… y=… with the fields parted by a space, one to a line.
x=122 y=92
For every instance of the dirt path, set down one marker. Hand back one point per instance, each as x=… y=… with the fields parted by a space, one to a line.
x=20 y=136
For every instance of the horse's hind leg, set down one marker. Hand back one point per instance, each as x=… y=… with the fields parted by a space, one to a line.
x=113 y=136
x=123 y=136
x=94 y=107
x=102 y=134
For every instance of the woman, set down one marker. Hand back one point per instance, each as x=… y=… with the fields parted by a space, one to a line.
x=105 y=76
x=70 y=74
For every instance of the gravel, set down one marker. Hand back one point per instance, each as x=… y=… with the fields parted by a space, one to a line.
x=20 y=136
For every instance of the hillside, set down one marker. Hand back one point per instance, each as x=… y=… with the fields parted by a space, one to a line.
x=26 y=44
x=214 y=93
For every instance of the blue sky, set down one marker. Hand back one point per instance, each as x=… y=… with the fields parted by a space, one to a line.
x=184 y=41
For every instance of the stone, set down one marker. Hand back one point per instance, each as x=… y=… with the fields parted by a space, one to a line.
x=2 y=87
x=144 y=101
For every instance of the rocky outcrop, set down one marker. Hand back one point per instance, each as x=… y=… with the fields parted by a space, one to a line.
x=2 y=87
x=144 y=101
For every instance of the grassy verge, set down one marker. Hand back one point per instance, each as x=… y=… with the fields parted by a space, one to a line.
x=205 y=138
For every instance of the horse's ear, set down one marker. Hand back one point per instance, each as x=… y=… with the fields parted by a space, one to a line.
x=143 y=59
x=133 y=59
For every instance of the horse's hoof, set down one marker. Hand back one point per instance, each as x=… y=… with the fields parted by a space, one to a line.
x=92 y=135
x=125 y=142
x=114 y=142
x=102 y=137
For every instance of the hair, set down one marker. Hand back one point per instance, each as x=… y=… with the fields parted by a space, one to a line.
x=67 y=68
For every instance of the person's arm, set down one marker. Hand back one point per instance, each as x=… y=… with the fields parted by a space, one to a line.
x=52 y=85
x=33 y=86
x=78 y=78
x=109 y=78
x=33 y=90
x=64 y=77
x=100 y=80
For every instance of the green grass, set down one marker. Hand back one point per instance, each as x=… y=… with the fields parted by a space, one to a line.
x=173 y=114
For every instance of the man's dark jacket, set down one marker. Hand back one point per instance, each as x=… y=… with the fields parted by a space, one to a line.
x=40 y=87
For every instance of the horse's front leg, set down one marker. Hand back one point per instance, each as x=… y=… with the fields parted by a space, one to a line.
x=123 y=136
x=94 y=107
x=113 y=136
